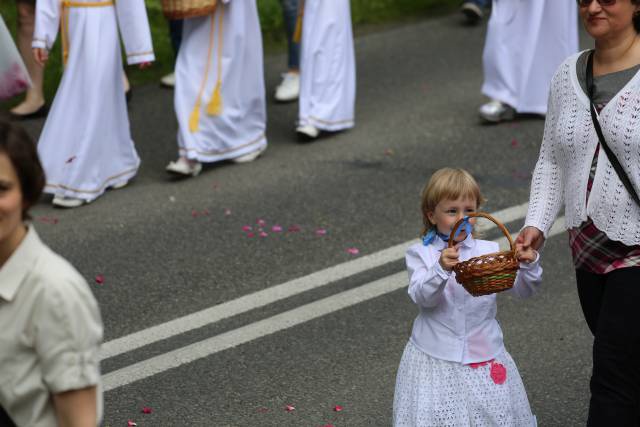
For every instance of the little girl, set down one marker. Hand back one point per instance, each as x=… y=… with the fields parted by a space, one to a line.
x=455 y=370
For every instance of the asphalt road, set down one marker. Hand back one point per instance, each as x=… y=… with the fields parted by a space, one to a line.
x=167 y=249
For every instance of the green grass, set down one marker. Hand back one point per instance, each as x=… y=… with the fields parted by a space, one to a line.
x=366 y=14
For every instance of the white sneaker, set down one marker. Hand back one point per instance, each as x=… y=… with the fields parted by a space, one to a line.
x=185 y=167
x=495 y=111
x=308 y=131
x=472 y=12
x=119 y=185
x=169 y=80
x=250 y=157
x=68 y=202
x=289 y=88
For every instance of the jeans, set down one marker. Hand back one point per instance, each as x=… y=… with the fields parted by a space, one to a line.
x=290 y=16
x=610 y=304
x=175 y=33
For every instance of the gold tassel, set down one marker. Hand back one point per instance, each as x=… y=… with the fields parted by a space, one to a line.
x=215 y=105
x=297 y=33
x=194 y=118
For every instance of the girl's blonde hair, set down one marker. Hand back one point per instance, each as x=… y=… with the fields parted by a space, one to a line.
x=447 y=184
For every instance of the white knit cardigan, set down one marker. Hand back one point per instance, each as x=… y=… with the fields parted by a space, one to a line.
x=568 y=146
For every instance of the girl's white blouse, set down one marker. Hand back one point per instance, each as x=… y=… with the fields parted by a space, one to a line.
x=452 y=324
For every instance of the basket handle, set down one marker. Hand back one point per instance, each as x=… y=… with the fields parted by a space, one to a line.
x=487 y=216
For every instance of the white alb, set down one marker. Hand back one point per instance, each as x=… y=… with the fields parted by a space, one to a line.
x=568 y=146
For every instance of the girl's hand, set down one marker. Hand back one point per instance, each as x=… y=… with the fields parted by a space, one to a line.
x=144 y=65
x=527 y=255
x=449 y=258
x=41 y=56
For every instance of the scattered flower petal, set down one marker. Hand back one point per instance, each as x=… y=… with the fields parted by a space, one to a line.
x=353 y=251
x=263 y=234
x=247 y=228
x=227 y=212
x=172 y=199
x=261 y=222
x=338 y=408
x=276 y=228
x=146 y=410
x=514 y=143
x=99 y=279
x=194 y=213
x=263 y=410
x=289 y=408
x=498 y=373
x=131 y=424
x=206 y=212
x=328 y=425
x=48 y=220
x=388 y=152
x=321 y=232
x=251 y=235
x=294 y=228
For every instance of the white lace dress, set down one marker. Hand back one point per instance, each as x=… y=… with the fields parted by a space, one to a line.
x=438 y=393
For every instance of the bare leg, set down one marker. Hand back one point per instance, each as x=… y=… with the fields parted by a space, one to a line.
x=35 y=96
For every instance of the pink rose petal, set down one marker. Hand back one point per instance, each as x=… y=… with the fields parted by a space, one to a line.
x=263 y=234
x=247 y=228
x=294 y=228
x=289 y=408
x=206 y=212
x=261 y=222
x=99 y=279
x=251 y=235
x=146 y=410
x=338 y=408
x=227 y=212
x=353 y=251
x=514 y=143
x=321 y=232
x=131 y=423
x=388 y=152
x=276 y=228
x=194 y=213
x=498 y=373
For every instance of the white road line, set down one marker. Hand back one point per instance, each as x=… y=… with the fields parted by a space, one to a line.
x=262 y=328
x=276 y=293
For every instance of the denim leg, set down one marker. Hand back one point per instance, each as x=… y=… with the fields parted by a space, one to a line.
x=175 y=33
x=290 y=16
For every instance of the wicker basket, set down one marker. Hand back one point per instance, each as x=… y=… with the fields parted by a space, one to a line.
x=487 y=274
x=180 y=9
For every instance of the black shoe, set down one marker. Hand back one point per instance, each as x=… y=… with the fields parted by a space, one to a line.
x=128 y=94
x=39 y=113
x=472 y=12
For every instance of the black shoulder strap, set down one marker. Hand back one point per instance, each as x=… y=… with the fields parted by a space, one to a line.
x=612 y=157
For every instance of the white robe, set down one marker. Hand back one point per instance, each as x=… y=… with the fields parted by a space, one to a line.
x=240 y=126
x=327 y=68
x=85 y=145
x=526 y=42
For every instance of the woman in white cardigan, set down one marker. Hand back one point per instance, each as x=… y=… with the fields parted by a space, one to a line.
x=602 y=216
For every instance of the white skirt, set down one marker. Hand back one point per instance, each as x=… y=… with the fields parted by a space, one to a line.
x=433 y=392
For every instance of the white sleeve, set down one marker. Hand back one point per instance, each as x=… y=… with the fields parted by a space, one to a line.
x=135 y=31
x=547 y=184
x=528 y=278
x=426 y=282
x=47 y=23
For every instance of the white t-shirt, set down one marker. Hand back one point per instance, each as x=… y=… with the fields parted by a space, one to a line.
x=50 y=335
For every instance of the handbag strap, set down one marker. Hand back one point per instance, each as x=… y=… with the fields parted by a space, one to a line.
x=610 y=154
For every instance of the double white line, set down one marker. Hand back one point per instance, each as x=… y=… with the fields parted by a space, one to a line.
x=285 y=320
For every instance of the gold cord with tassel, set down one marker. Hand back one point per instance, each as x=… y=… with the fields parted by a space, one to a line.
x=297 y=33
x=194 y=118
x=64 y=21
x=215 y=105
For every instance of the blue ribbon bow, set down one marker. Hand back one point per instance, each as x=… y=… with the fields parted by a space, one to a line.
x=465 y=225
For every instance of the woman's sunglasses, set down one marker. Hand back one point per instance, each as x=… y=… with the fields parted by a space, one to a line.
x=586 y=3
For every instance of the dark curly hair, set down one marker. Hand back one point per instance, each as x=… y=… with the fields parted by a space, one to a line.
x=19 y=147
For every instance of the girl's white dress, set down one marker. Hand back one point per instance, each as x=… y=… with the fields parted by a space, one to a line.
x=327 y=68
x=455 y=371
x=85 y=145
x=526 y=42
x=224 y=50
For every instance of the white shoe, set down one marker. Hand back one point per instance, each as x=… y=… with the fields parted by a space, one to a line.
x=68 y=202
x=182 y=166
x=308 y=131
x=289 y=88
x=250 y=157
x=119 y=185
x=169 y=80
x=495 y=111
x=472 y=12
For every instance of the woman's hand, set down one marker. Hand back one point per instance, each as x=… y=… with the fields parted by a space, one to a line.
x=76 y=408
x=529 y=237
x=41 y=56
x=449 y=258
x=527 y=255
